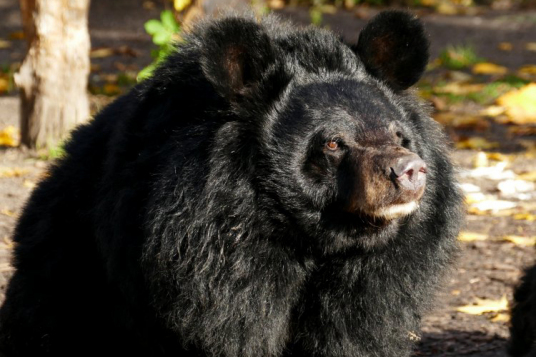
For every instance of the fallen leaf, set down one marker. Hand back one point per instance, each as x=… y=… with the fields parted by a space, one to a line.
x=462 y=121
x=484 y=305
x=528 y=176
x=530 y=46
x=7 y=212
x=460 y=88
x=4 y=85
x=471 y=237
x=494 y=205
x=521 y=241
x=9 y=136
x=476 y=143
x=17 y=35
x=180 y=5
x=4 y=44
x=29 y=184
x=493 y=111
x=489 y=68
x=501 y=317
x=525 y=217
x=101 y=52
x=505 y=46
x=480 y=160
x=455 y=292
x=528 y=69
x=7 y=172
x=111 y=89
x=520 y=104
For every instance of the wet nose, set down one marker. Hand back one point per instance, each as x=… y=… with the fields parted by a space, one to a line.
x=410 y=172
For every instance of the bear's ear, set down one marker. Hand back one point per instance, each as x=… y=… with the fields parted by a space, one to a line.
x=236 y=54
x=394 y=48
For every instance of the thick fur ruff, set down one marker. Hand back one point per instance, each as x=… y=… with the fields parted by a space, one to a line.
x=221 y=207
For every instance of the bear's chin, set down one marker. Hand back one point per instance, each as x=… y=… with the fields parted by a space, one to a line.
x=395 y=211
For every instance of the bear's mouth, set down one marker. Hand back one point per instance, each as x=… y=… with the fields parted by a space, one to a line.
x=395 y=211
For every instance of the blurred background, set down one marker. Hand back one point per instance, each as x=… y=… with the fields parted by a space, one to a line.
x=63 y=61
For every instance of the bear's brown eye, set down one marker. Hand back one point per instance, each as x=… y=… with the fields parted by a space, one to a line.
x=332 y=145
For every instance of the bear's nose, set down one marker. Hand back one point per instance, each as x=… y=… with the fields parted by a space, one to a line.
x=410 y=172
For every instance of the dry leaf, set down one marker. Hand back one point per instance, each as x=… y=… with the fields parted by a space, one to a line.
x=8 y=213
x=17 y=35
x=501 y=317
x=276 y=4
x=180 y=5
x=489 y=68
x=101 y=52
x=4 y=44
x=459 y=88
x=505 y=46
x=493 y=111
x=471 y=237
x=9 y=136
x=530 y=46
x=476 y=143
x=525 y=217
x=29 y=184
x=521 y=241
x=494 y=205
x=4 y=85
x=529 y=69
x=455 y=292
x=111 y=89
x=528 y=176
x=484 y=305
x=462 y=121
x=7 y=172
x=520 y=104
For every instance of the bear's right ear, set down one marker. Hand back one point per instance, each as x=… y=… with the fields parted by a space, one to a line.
x=236 y=54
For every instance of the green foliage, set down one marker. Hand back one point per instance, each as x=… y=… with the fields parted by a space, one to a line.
x=164 y=33
x=458 y=57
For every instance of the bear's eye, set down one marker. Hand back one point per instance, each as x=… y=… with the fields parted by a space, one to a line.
x=332 y=145
x=402 y=140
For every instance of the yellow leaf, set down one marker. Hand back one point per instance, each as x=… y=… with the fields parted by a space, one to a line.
x=528 y=176
x=459 y=88
x=521 y=241
x=29 y=184
x=9 y=136
x=489 y=68
x=111 y=89
x=471 y=237
x=12 y=172
x=276 y=4
x=8 y=213
x=4 y=85
x=525 y=217
x=455 y=292
x=530 y=46
x=17 y=35
x=484 y=305
x=520 y=104
x=501 y=317
x=101 y=52
x=492 y=111
x=4 y=44
x=505 y=46
x=476 y=143
x=528 y=69
x=180 y=5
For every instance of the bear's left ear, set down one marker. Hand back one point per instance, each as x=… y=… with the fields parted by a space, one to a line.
x=394 y=48
x=236 y=55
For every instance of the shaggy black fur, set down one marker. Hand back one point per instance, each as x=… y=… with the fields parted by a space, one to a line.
x=228 y=205
x=523 y=321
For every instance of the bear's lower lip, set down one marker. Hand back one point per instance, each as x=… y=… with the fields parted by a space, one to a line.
x=396 y=210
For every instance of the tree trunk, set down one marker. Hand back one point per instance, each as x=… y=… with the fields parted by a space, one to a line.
x=53 y=77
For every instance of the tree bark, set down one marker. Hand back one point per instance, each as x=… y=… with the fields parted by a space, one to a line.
x=54 y=74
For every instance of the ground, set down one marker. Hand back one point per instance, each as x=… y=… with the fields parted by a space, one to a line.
x=488 y=266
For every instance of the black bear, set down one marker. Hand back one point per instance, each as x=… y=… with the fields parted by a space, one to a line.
x=270 y=191
x=523 y=317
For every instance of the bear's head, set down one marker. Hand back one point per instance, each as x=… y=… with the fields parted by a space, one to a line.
x=337 y=138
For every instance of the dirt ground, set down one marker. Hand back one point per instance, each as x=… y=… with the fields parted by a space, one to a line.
x=485 y=269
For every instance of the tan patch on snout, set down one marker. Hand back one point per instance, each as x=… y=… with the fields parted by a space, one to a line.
x=375 y=193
